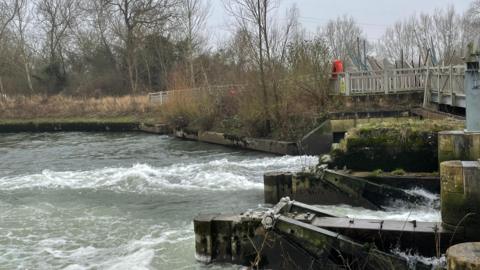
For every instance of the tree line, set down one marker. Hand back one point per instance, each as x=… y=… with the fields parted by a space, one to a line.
x=120 y=47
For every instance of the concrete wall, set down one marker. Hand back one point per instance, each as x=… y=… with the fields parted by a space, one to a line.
x=160 y=129
x=318 y=141
x=343 y=125
x=458 y=145
x=460 y=197
x=262 y=145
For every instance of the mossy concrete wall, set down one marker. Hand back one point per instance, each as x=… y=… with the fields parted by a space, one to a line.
x=343 y=125
x=408 y=145
x=460 y=197
x=458 y=145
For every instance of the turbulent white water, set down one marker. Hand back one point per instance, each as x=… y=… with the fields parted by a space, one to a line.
x=219 y=174
x=103 y=201
x=127 y=201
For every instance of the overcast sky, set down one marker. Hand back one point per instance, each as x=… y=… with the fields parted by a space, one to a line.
x=372 y=15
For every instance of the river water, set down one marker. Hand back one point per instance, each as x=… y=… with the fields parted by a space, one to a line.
x=127 y=200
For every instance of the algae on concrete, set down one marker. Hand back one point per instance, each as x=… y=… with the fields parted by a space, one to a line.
x=408 y=145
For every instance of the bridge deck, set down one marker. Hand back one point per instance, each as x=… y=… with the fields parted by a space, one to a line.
x=444 y=85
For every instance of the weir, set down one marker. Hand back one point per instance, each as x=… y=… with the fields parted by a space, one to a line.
x=294 y=235
x=322 y=239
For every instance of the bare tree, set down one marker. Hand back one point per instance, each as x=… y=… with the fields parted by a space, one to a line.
x=57 y=18
x=8 y=9
x=447 y=34
x=470 y=24
x=193 y=18
x=135 y=17
x=403 y=41
x=341 y=36
x=439 y=37
x=21 y=20
x=267 y=41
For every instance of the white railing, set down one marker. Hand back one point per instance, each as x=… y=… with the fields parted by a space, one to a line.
x=444 y=80
x=163 y=97
x=447 y=80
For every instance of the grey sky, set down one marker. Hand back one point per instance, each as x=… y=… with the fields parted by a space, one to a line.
x=372 y=15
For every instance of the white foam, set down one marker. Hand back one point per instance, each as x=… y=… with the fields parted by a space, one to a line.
x=400 y=213
x=139 y=260
x=437 y=263
x=220 y=174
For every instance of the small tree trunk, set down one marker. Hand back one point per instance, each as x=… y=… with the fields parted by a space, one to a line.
x=28 y=75
x=262 y=68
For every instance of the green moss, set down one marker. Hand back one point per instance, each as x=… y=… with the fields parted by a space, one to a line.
x=408 y=144
x=399 y=172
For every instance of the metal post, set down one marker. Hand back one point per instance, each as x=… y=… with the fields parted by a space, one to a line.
x=452 y=96
x=428 y=92
x=386 y=85
x=472 y=88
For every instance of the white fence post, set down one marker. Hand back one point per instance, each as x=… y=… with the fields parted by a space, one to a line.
x=386 y=84
x=347 y=84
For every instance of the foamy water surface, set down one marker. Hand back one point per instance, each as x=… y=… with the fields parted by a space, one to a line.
x=126 y=201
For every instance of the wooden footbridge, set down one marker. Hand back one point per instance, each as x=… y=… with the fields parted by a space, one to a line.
x=440 y=85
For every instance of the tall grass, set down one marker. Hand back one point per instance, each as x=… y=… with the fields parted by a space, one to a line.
x=21 y=107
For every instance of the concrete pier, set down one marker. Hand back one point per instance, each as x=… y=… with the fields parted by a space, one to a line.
x=458 y=145
x=464 y=257
x=460 y=197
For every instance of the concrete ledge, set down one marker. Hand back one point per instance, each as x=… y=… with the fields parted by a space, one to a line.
x=434 y=114
x=160 y=129
x=186 y=134
x=343 y=125
x=262 y=145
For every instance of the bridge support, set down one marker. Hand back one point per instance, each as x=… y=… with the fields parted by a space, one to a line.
x=472 y=89
x=460 y=197
x=464 y=257
x=459 y=153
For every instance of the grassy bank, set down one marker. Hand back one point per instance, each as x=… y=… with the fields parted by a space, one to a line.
x=60 y=113
x=66 y=107
x=55 y=120
x=61 y=109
